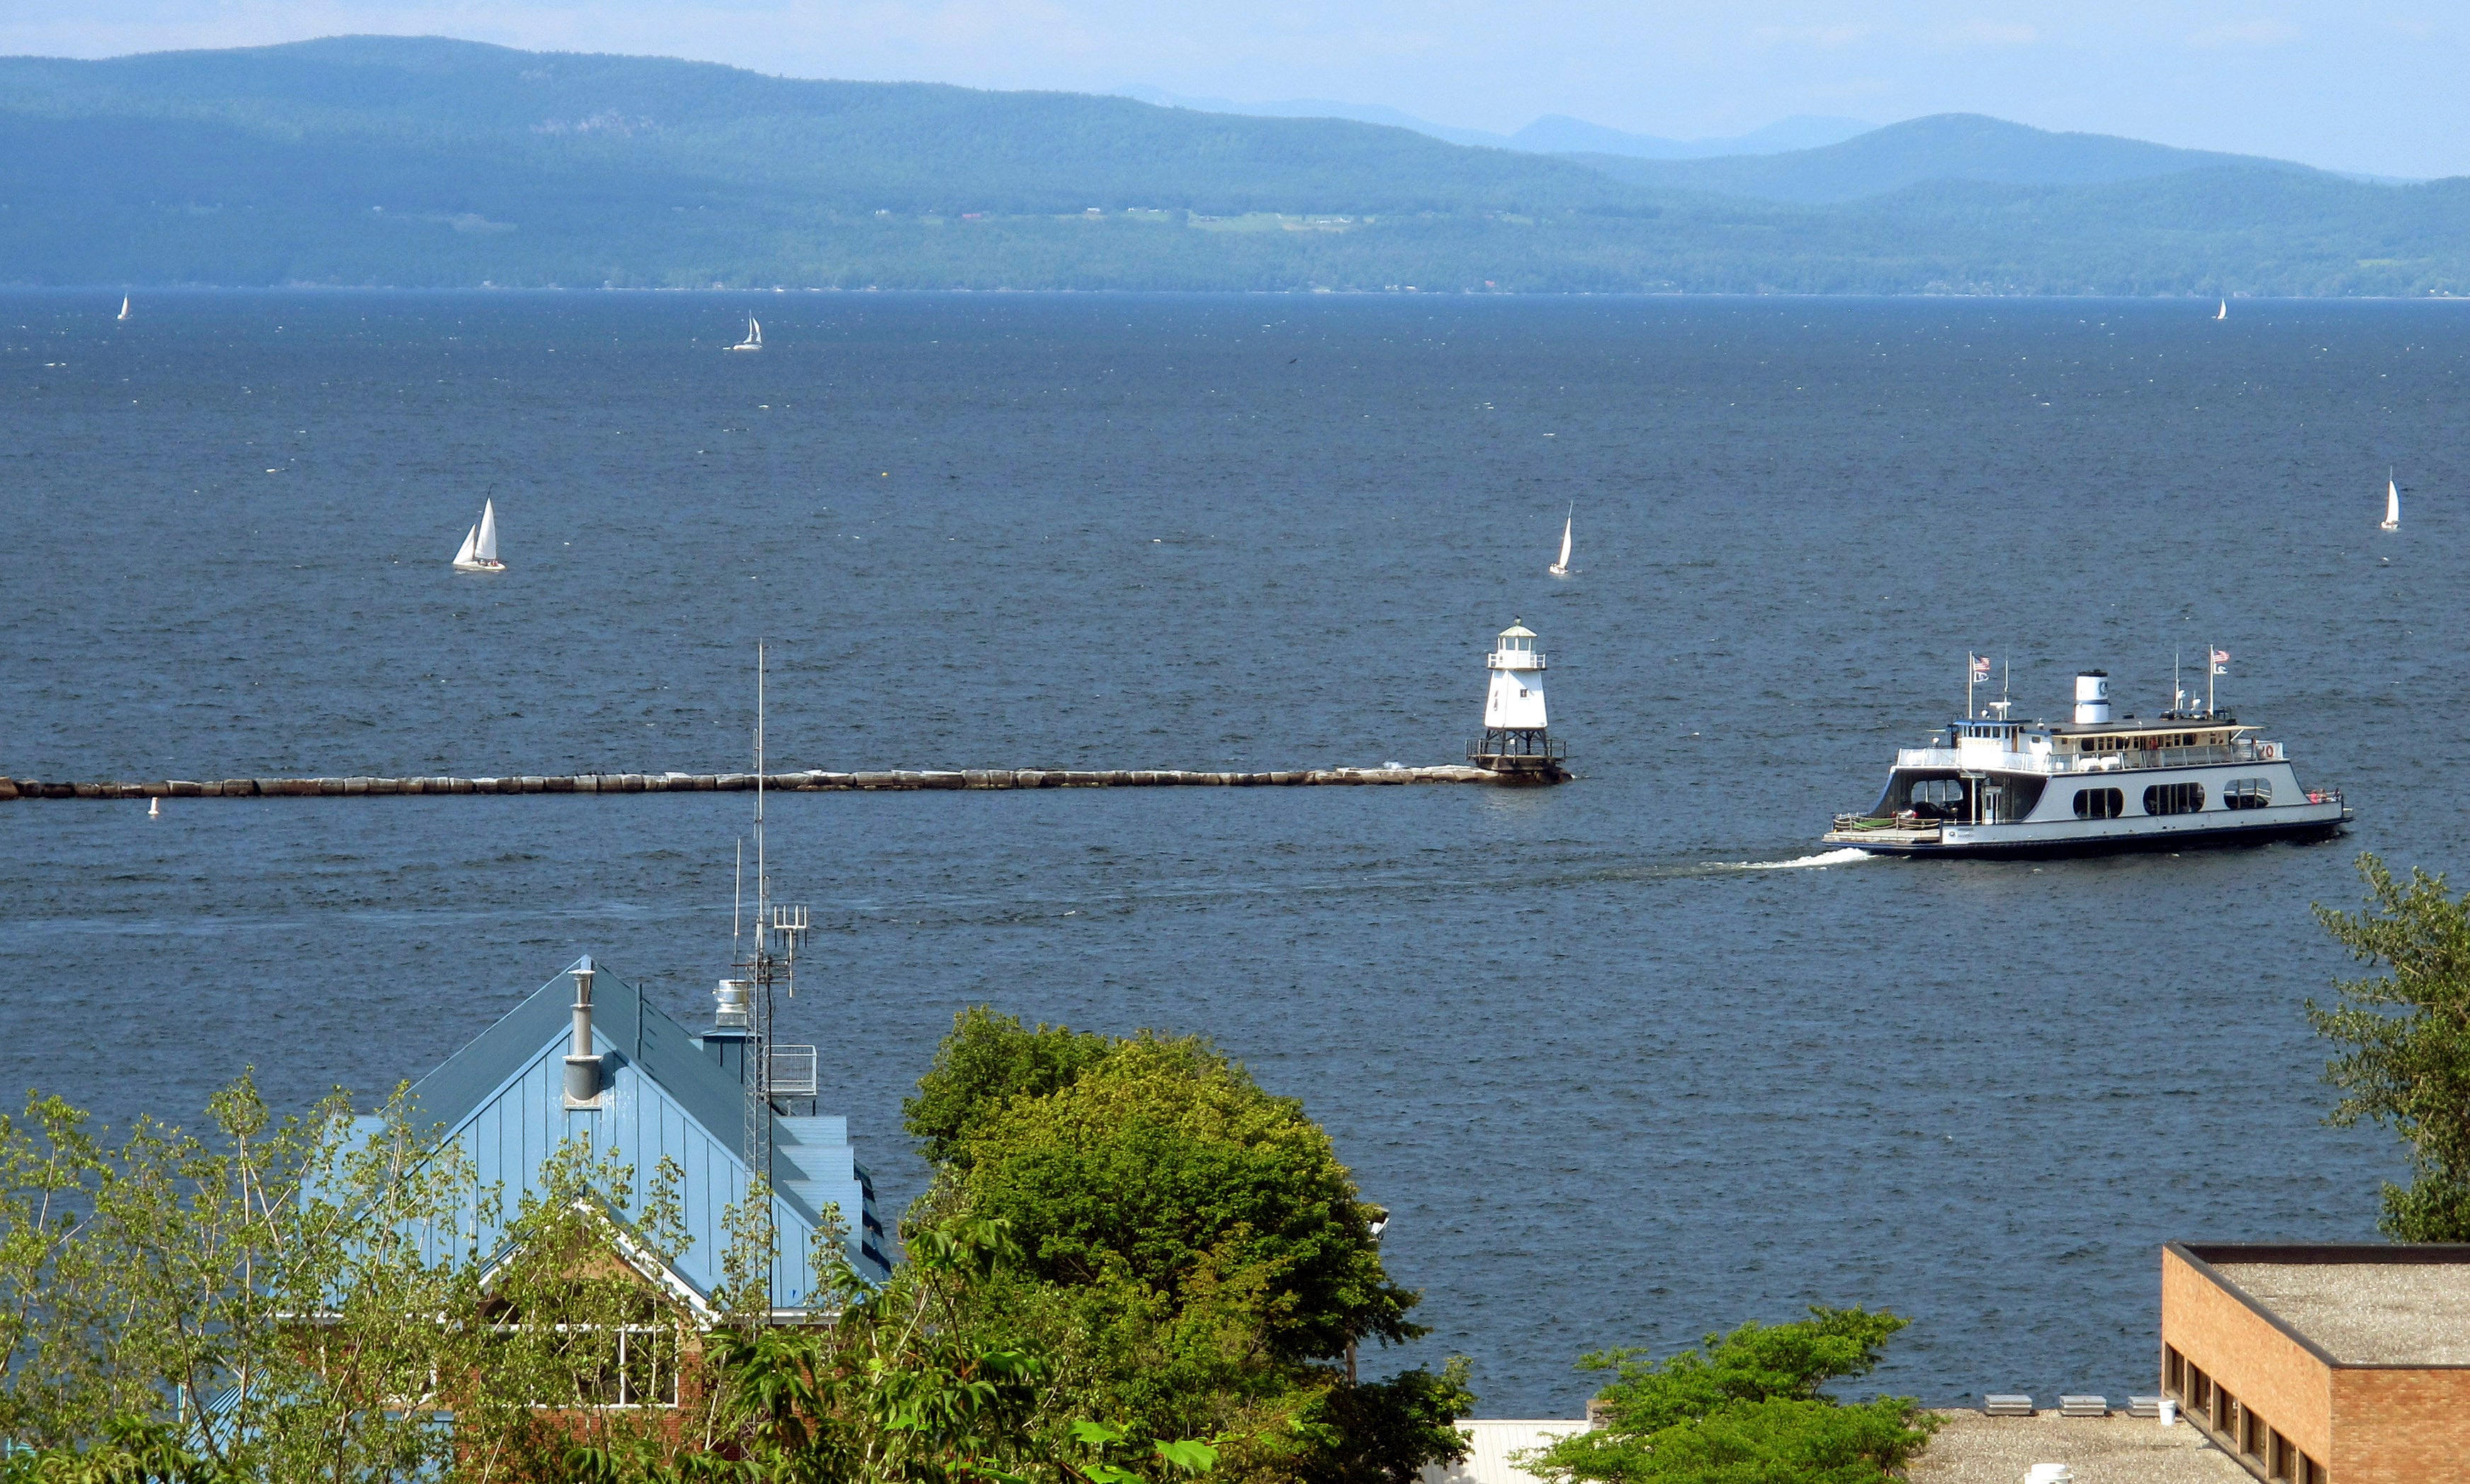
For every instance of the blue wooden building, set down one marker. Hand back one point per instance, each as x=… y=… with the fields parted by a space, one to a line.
x=654 y=1090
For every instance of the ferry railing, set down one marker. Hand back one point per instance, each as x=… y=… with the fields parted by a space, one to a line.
x=2134 y=760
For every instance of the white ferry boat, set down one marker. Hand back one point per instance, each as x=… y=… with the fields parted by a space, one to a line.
x=1995 y=786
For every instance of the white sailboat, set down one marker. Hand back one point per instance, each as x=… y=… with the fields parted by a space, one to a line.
x=124 y=306
x=2223 y=312
x=2392 y=504
x=1561 y=568
x=479 y=551
x=753 y=340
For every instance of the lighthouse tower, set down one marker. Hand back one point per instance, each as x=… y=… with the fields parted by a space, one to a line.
x=1515 y=739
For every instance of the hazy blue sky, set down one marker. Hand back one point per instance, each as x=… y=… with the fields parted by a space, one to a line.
x=2380 y=85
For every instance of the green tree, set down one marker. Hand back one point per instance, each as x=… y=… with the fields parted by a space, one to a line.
x=1194 y=1261
x=2405 y=1035
x=271 y=1302
x=986 y=1062
x=1745 y=1408
x=575 y=1340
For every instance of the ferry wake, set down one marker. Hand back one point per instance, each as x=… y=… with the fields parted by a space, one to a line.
x=1992 y=786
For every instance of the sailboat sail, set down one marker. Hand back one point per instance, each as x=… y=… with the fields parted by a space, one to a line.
x=2223 y=312
x=487 y=549
x=2393 y=504
x=463 y=553
x=1562 y=566
x=124 y=306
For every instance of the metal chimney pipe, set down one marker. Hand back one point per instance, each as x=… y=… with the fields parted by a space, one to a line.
x=582 y=1067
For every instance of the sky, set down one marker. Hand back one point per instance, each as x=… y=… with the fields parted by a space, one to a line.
x=2368 y=85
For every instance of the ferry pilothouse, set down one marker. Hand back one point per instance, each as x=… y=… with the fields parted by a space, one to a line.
x=1990 y=785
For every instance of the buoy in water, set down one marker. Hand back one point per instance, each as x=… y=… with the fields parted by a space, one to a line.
x=154 y=808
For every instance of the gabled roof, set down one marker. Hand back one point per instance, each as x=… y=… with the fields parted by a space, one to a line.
x=664 y=1098
x=643 y=1033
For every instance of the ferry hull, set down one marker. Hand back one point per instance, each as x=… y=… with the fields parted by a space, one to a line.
x=2047 y=840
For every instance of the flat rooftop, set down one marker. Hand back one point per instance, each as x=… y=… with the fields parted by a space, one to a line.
x=2368 y=1314
x=1972 y=1449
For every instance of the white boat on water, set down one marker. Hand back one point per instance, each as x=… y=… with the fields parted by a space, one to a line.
x=1561 y=568
x=1988 y=785
x=479 y=550
x=2392 y=504
x=753 y=340
x=2223 y=312
x=124 y=306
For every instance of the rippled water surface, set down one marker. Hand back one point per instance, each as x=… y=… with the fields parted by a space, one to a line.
x=1629 y=1064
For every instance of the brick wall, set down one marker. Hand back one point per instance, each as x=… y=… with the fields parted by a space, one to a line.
x=2400 y=1426
x=2270 y=1373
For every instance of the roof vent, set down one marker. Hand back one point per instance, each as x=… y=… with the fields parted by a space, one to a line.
x=582 y=1065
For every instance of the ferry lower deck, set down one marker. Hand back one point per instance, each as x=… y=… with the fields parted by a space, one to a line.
x=2300 y=823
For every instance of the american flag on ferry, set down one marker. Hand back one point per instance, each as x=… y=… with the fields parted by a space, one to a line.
x=2221 y=657
x=1981 y=667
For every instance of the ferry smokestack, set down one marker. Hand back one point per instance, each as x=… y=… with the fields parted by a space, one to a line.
x=582 y=1067
x=2092 y=697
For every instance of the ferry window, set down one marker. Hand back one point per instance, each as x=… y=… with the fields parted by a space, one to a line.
x=2174 y=798
x=2248 y=794
x=2098 y=803
x=1937 y=794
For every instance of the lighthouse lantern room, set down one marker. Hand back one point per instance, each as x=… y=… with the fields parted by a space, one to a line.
x=1516 y=740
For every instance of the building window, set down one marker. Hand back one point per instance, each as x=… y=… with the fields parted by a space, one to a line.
x=2174 y=1372
x=613 y=1366
x=2098 y=803
x=2277 y=1455
x=2251 y=1432
x=2174 y=798
x=2248 y=794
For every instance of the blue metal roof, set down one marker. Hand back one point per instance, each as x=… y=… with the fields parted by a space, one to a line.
x=663 y=1094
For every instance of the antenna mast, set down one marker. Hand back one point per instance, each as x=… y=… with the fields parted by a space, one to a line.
x=772 y=963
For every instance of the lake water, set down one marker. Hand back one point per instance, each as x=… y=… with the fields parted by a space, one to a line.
x=1627 y=1063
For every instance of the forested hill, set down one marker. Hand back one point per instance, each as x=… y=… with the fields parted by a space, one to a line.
x=1941 y=148
x=412 y=161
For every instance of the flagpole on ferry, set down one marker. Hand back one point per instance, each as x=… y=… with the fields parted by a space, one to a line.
x=2211 y=669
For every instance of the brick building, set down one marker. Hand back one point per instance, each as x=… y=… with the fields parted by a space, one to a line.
x=2343 y=1363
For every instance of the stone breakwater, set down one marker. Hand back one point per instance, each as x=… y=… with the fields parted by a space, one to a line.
x=811 y=782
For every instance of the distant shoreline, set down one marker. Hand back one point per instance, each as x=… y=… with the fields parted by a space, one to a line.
x=117 y=288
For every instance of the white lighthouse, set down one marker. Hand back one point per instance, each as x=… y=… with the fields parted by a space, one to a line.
x=1516 y=740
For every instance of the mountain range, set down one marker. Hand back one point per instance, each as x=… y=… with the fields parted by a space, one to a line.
x=1554 y=133
x=427 y=162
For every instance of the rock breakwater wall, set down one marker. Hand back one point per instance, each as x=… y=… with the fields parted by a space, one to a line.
x=897 y=781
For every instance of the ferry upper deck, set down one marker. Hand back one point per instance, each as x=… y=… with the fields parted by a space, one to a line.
x=2053 y=748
